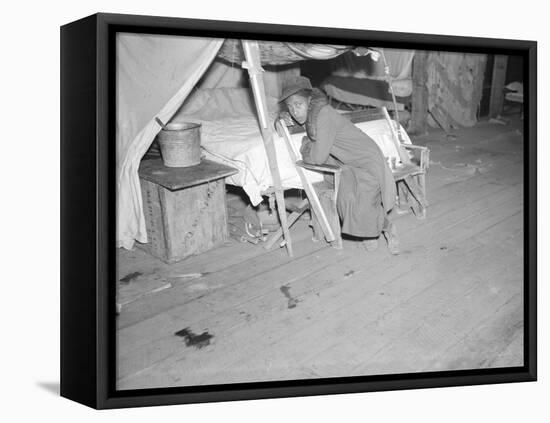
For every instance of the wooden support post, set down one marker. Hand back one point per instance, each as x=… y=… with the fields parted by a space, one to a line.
x=419 y=107
x=253 y=65
x=497 y=86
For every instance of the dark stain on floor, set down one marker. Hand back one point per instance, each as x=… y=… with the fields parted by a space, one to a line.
x=193 y=340
x=351 y=272
x=246 y=315
x=130 y=277
x=292 y=302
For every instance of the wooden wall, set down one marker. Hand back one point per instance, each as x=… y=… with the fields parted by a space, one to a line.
x=447 y=89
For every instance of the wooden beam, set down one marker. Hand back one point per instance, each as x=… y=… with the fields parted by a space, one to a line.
x=419 y=107
x=497 y=86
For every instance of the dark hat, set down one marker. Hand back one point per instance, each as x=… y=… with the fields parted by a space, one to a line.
x=293 y=85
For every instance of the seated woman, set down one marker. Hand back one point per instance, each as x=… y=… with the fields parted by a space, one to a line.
x=367 y=189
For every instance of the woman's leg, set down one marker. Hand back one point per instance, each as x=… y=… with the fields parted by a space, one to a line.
x=390 y=232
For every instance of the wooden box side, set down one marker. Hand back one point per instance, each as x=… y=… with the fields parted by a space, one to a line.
x=199 y=219
x=184 y=222
x=152 y=210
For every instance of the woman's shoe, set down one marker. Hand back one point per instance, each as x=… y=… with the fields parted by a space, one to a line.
x=393 y=241
x=370 y=245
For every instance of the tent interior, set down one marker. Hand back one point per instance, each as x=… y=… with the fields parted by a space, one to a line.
x=452 y=300
x=206 y=84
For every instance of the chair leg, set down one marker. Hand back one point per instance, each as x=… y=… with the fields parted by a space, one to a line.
x=422 y=184
x=421 y=179
x=334 y=220
x=404 y=202
x=316 y=228
x=418 y=193
x=328 y=203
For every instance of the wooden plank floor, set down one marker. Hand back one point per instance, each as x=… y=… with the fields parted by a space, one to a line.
x=452 y=300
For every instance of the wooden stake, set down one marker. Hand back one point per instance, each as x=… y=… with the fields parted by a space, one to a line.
x=419 y=106
x=253 y=65
x=497 y=85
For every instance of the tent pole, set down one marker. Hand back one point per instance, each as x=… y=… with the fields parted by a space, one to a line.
x=253 y=65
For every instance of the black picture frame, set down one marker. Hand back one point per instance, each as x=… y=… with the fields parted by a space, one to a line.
x=88 y=212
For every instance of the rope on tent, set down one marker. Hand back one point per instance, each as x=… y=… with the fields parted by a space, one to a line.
x=394 y=100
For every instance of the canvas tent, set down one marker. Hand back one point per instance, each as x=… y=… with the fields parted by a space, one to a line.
x=156 y=73
x=399 y=62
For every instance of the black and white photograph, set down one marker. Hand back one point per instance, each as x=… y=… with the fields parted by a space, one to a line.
x=299 y=210
x=268 y=212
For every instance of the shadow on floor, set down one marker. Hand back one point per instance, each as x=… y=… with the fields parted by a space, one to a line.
x=51 y=387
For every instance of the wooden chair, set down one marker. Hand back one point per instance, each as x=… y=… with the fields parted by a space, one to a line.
x=321 y=199
x=410 y=176
x=410 y=179
x=327 y=191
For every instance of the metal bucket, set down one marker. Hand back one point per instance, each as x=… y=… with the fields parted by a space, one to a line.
x=180 y=144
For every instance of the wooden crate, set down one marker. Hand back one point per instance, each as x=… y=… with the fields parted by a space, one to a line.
x=186 y=220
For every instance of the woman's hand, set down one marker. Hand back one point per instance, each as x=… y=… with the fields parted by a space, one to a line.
x=306 y=148
x=287 y=118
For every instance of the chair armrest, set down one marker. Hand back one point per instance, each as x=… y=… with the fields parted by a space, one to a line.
x=424 y=154
x=336 y=172
x=319 y=168
x=414 y=147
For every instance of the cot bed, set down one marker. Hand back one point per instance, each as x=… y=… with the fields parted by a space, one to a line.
x=353 y=92
x=230 y=135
